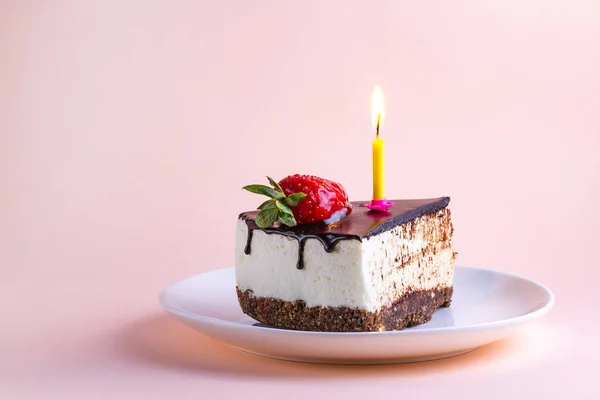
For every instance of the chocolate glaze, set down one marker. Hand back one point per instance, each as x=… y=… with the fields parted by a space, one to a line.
x=362 y=223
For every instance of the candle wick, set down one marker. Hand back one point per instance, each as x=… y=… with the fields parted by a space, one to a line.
x=377 y=128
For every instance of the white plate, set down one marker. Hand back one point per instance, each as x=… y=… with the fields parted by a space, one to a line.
x=487 y=306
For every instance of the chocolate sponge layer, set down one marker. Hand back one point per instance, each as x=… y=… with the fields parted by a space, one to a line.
x=411 y=309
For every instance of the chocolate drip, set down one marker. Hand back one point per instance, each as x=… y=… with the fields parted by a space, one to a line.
x=360 y=224
x=300 y=262
x=327 y=240
x=248 y=241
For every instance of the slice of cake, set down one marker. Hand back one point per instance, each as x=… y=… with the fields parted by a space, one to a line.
x=366 y=271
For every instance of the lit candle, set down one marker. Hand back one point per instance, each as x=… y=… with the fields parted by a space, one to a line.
x=377 y=111
x=378 y=145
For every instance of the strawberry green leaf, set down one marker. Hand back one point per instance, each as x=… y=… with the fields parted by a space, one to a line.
x=283 y=207
x=287 y=219
x=294 y=199
x=267 y=204
x=266 y=217
x=264 y=190
x=274 y=184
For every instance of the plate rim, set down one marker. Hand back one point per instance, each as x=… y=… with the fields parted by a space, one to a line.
x=502 y=323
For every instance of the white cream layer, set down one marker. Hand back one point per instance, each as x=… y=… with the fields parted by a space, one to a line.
x=356 y=274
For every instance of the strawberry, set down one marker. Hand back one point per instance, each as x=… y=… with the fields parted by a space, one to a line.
x=325 y=200
x=301 y=199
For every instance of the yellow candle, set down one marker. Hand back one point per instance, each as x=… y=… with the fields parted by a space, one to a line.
x=377 y=112
x=378 y=181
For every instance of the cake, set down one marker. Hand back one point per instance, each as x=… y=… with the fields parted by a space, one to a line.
x=361 y=271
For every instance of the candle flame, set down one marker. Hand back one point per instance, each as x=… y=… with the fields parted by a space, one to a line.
x=377 y=109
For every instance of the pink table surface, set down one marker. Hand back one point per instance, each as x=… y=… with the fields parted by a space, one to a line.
x=127 y=129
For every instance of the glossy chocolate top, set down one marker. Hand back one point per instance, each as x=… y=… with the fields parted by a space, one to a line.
x=360 y=224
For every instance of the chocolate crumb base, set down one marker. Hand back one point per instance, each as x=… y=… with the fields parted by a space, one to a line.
x=412 y=309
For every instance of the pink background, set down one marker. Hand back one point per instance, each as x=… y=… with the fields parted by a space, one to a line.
x=128 y=128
